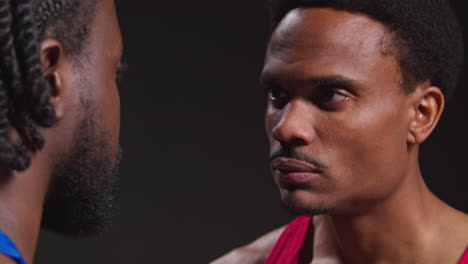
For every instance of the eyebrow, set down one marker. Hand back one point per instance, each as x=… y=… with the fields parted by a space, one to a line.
x=321 y=81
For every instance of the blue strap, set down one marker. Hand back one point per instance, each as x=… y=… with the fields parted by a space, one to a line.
x=8 y=248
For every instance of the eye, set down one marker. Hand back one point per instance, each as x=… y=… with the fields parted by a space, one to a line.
x=278 y=95
x=335 y=96
x=330 y=98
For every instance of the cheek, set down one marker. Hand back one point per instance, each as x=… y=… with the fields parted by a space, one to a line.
x=113 y=111
x=368 y=151
x=108 y=101
x=271 y=119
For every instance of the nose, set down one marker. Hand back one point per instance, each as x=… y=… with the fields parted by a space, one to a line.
x=295 y=125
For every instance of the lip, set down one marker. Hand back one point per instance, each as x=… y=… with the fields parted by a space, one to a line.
x=292 y=172
x=287 y=165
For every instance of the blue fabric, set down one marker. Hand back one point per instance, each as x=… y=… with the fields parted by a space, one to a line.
x=8 y=248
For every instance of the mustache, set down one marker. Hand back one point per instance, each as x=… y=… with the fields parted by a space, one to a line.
x=292 y=154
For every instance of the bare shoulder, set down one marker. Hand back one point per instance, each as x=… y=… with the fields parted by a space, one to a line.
x=6 y=260
x=459 y=225
x=452 y=239
x=253 y=253
x=464 y=227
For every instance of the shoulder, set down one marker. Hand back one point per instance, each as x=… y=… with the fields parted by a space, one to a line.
x=452 y=235
x=6 y=260
x=464 y=228
x=253 y=253
x=456 y=224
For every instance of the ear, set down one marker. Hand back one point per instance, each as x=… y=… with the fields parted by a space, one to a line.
x=52 y=57
x=427 y=106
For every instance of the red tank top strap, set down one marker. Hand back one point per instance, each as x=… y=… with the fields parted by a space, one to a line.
x=288 y=246
x=464 y=258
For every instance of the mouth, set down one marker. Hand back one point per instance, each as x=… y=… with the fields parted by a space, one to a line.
x=292 y=172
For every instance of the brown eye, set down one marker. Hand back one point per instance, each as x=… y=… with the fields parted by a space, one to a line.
x=278 y=95
x=333 y=96
x=337 y=97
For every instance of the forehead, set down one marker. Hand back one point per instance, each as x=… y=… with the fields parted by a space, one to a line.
x=105 y=32
x=339 y=42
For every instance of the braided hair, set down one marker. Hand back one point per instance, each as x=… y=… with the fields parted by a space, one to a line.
x=24 y=90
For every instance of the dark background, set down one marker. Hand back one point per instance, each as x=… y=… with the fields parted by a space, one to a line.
x=195 y=181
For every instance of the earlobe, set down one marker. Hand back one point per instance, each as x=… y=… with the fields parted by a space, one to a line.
x=426 y=111
x=56 y=85
x=51 y=58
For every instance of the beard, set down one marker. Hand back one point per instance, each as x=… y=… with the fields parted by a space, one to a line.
x=81 y=198
x=293 y=204
x=298 y=209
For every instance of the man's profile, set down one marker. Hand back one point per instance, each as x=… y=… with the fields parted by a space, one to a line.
x=59 y=120
x=354 y=88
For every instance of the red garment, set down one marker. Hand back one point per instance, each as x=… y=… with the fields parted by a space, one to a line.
x=288 y=246
x=464 y=259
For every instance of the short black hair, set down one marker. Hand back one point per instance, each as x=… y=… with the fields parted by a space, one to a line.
x=24 y=90
x=427 y=39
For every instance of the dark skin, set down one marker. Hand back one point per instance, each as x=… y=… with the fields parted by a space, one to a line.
x=22 y=196
x=335 y=98
x=254 y=253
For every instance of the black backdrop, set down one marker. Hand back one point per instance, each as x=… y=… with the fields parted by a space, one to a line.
x=194 y=179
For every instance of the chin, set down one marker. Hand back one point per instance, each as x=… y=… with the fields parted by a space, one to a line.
x=303 y=202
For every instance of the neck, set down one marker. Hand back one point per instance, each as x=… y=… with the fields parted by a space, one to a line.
x=396 y=232
x=405 y=228
x=21 y=201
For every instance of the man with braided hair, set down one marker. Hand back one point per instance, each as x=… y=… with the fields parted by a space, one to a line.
x=59 y=120
x=354 y=88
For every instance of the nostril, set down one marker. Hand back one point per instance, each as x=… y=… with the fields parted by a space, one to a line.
x=279 y=132
x=294 y=124
x=291 y=134
x=298 y=142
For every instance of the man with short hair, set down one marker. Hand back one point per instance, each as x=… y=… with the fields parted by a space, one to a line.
x=59 y=120
x=354 y=87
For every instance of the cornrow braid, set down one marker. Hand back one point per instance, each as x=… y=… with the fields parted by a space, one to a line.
x=50 y=9
x=11 y=155
x=24 y=90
